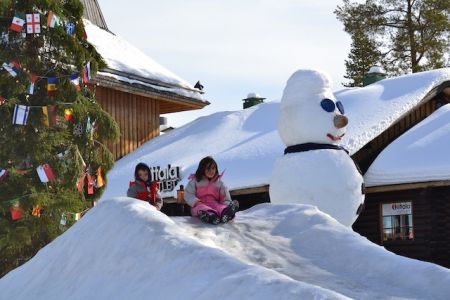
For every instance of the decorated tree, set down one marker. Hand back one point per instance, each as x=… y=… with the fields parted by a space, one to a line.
x=53 y=158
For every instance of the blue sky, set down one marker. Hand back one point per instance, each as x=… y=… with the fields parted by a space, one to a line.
x=233 y=47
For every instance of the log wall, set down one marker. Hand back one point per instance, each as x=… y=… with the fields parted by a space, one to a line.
x=137 y=117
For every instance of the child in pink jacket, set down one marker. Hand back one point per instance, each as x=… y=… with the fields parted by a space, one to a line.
x=208 y=196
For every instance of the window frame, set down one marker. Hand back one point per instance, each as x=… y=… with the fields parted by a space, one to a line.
x=381 y=223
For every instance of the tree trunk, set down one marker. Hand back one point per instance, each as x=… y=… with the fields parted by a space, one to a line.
x=412 y=43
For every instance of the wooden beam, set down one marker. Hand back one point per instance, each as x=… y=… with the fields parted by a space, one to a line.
x=405 y=186
x=252 y=190
x=237 y=192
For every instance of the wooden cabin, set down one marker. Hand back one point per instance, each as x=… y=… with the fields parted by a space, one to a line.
x=408 y=199
x=134 y=94
x=420 y=232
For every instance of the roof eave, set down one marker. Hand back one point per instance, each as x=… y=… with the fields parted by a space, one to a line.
x=184 y=103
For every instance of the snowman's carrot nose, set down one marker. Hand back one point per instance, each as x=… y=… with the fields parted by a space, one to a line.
x=340 y=121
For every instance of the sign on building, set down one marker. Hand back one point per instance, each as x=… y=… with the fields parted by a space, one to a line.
x=396 y=209
x=167 y=177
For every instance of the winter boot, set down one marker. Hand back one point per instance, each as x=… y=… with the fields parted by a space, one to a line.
x=229 y=212
x=208 y=217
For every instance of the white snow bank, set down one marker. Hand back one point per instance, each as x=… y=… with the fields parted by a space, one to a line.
x=419 y=155
x=122 y=56
x=124 y=249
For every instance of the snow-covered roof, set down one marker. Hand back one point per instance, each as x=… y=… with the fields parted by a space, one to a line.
x=374 y=108
x=419 y=155
x=125 y=249
x=128 y=64
x=246 y=142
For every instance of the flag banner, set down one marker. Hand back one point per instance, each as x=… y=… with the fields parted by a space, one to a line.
x=3 y=174
x=50 y=115
x=36 y=211
x=45 y=173
x=88 y=125
x=13 y=68
x=80 y=182
x=70 y=28
x=16 y=211
x=33 y=23
x=100 y=181
x=68 y=114
x=63 y=154
x=52 y=20
x=75 y=79
x=90 y=186
x=33 y=79
x=75 y=216
x=87 y=72
x=51 y=85
x=63 y=220
x=18 y=22
x=21 y=113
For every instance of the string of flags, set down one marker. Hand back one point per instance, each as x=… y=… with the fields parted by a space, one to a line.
x=14 y=68
x=22 y=112
x=46 y=174
x=33 y=23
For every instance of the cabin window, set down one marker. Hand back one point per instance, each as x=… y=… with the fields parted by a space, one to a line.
x=397 y=222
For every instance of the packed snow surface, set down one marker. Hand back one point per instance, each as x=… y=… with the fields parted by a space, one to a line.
x=122 y=56
x=246 y=142
x=419 y=155
x=125 y=249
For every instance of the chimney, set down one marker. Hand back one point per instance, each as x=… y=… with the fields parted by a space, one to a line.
x=375 y=74
x=252 y=99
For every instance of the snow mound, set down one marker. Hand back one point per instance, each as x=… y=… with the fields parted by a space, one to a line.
x=124 y=249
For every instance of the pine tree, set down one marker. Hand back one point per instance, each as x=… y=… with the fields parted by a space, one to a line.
x=411 y=35
x=34 y=212
x=363 y=55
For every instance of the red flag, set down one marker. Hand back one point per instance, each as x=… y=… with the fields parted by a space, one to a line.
x=80 y=182
x=16 y=211
x=90 y=187
x=45 y=173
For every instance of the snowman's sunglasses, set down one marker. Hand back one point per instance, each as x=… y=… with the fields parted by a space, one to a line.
x=329 y=106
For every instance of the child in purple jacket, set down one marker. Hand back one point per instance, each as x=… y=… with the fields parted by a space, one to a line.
x=208 y=196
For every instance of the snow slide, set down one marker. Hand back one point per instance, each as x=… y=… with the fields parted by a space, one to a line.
x=124 y=249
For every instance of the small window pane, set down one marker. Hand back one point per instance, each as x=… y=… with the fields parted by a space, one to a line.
x=387 y=222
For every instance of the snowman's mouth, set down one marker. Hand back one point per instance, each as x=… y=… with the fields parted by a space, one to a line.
x=335 y=138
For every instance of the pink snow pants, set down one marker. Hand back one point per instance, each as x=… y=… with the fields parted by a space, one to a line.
x=211 y=206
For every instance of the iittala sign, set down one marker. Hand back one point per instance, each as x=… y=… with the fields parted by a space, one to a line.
x=167 y=177
x=399 y=208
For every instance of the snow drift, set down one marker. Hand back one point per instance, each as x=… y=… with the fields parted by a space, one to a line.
x=124 y=249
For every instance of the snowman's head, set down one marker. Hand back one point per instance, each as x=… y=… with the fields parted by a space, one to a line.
x=309 y=111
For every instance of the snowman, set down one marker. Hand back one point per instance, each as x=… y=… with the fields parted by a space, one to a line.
x=315 y=169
